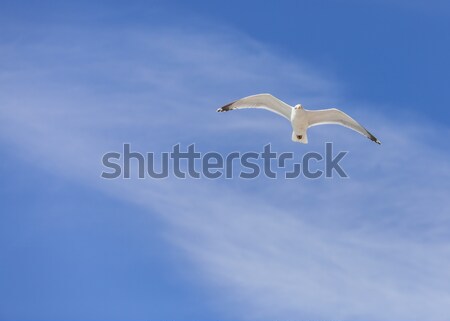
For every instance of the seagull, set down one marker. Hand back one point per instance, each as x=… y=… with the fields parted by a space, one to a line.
x=301 y=119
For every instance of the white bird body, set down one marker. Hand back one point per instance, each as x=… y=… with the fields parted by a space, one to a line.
x=299 y=122
x=301 y=119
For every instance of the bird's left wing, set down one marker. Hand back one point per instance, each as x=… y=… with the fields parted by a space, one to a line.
x=264 y=101
x=335 y=116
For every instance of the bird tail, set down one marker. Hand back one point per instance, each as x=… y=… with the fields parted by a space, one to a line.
x=299 y=138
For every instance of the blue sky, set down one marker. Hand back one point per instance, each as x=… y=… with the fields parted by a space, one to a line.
x=80 y=79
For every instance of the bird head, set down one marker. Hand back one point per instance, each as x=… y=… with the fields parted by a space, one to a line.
x=299 y=106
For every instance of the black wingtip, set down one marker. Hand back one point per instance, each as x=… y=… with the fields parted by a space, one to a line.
x=225 y=108
x=374 y=139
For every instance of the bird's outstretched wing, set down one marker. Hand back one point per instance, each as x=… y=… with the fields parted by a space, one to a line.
x=335 y=116
x=264 y=101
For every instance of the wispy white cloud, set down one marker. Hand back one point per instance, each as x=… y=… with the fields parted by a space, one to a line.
x=375 y=246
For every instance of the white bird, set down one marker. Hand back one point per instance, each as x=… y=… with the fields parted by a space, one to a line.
x=301 y=119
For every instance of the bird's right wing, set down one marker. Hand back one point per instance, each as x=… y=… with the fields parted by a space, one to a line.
x=335 y=116
x=264 y=101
